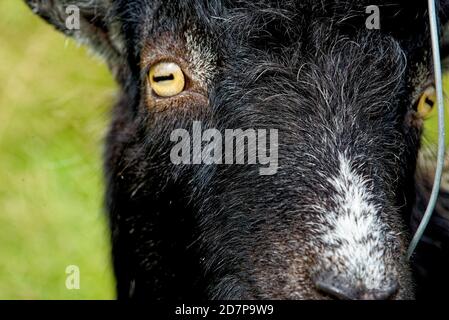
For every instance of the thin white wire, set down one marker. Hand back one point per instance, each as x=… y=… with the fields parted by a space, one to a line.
x=441 y=131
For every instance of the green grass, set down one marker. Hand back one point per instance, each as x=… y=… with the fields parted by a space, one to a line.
x=54 y=104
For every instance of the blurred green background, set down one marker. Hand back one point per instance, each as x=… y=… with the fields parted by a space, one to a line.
x=54 y=105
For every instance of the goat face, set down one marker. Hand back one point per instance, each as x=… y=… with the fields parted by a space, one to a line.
x=331 y=223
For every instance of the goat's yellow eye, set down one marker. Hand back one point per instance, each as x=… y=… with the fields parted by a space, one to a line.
x=166 y=79
x=426 y=102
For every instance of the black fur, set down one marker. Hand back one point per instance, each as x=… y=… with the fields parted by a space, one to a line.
x=310 y=69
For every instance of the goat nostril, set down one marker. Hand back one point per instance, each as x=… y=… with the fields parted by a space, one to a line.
x=335 y=291
x=383 y=294
x=337 y=287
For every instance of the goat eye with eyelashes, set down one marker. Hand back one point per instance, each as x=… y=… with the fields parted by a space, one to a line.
x=166 y=79
x=426 y=102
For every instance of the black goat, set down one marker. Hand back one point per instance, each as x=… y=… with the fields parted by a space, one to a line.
x=335 y=217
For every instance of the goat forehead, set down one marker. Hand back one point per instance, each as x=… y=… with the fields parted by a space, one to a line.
x=169 y=14
x=151 y=18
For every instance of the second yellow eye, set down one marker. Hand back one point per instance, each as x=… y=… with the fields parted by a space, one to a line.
x=167 y=79
x=426 y=102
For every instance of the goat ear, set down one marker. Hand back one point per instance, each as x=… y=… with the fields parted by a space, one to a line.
x=87 y=21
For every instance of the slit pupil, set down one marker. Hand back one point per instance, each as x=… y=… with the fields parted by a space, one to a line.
x=429 y=102
x=163 y=78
